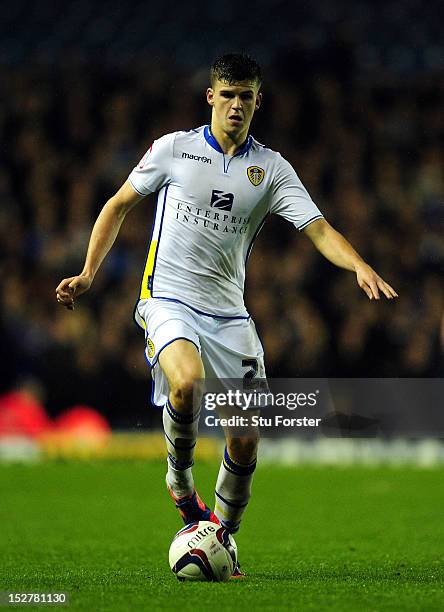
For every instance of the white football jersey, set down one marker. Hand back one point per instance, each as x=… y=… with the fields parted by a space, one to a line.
x=210 y=209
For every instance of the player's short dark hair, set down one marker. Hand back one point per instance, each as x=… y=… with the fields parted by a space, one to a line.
x=235 y=67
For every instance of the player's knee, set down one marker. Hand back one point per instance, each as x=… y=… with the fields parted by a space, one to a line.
x=186 y=392
x=244 y=449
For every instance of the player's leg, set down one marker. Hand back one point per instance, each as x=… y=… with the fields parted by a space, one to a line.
x=232 y=350
x=183 y=368
x=233 y=486
x=181 y=364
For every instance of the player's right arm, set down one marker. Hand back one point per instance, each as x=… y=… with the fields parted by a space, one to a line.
x=102 y=238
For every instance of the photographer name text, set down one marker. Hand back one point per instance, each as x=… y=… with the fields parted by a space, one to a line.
x=277 y=420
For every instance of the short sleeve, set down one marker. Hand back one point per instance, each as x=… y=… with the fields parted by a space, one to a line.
x=154 y=169
x=289 y=197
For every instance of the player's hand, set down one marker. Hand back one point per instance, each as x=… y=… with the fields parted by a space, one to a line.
x=373 y=284
x=70 y=287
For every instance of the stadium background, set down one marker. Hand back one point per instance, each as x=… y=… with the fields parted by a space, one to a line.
x=353 y=97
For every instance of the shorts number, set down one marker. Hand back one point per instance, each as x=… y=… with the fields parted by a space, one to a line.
x=253 y=365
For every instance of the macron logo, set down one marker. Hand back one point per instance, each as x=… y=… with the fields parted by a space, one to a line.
x=200 y=158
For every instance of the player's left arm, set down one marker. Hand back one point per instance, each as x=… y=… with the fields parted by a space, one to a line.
x=340 y=252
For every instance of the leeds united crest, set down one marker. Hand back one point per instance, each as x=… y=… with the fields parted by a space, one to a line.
x=256 y=175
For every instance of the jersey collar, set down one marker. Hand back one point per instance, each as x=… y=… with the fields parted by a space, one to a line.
x=213 y=142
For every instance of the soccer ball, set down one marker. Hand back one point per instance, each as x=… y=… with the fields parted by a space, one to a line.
x=203 y=551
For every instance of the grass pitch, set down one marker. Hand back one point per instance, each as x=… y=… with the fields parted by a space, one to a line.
x=313 y=538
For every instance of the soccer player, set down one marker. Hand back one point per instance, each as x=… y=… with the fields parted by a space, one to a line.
x=216 y=186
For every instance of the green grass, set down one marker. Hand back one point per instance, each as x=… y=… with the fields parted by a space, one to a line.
x=313 y=539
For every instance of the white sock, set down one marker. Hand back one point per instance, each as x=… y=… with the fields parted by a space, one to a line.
x=233 y=491
x=180 y=436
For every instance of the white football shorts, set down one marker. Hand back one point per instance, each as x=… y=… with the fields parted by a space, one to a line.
x=229 y=348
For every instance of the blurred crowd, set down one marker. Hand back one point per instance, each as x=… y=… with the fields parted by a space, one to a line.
x=369 y=152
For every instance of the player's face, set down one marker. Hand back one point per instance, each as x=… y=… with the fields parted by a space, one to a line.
x=234 y=106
